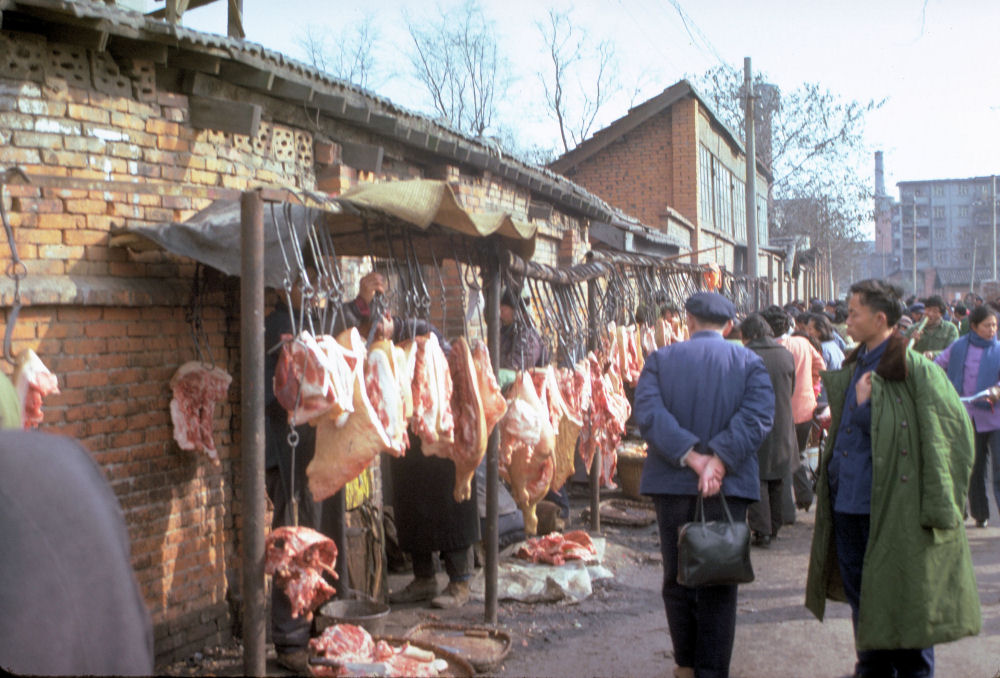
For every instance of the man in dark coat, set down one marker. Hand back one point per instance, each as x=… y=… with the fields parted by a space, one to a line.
x=779 y=448
x=703 y=406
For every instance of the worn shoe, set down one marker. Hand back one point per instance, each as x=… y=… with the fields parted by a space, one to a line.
x=683 y=672
x=417 y=591
x=981 y=523
x=295 y=660
x=761 y=540
x=456 y=594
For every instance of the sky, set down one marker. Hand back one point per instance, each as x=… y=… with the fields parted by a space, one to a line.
x=931 y=60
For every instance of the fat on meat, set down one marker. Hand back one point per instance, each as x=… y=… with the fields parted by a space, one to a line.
x=494 y=404
x=197 y=388
x=431 y=386
x=32 y=381
x=297 y=557
x=347 y=444
x=312 y=377
x=351 y=643
x=565 y=423
x=629 y=361
x=386 y=383
x=556 y=548
x=604 y=423
x=469 y=445
x=527 y=448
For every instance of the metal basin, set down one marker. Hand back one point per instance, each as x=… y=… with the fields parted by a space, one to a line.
x=367 y=614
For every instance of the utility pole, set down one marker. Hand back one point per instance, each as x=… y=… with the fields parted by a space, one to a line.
x=915 y=292
x=751 y=192
x=993 y=214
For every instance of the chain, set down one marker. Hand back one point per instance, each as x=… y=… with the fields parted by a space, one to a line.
x=16 y=270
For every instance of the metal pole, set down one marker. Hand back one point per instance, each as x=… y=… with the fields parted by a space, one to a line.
x=595 y=474
x=993 y=212
x=915 y=247
x=751 y=192
x=492 y=285
x=252 y=429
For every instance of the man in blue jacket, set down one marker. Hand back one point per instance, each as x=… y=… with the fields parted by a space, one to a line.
x=704 y=406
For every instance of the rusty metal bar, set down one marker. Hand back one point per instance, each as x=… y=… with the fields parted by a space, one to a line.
x=491 y=283
x=593 y=289
x=252 y=430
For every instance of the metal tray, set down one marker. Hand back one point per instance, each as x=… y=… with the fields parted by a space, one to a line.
x=483 y=647
x=458 y=667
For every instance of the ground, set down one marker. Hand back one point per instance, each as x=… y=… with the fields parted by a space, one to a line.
x=621 y=629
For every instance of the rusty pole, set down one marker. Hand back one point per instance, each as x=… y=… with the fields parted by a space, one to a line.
x=593 y=289
x=492 y=286
x=252 y=429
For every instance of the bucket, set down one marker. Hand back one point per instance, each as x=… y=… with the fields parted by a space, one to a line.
x=367 y=614
x=629 y=473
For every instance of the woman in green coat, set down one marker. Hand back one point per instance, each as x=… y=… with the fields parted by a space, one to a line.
x=918 y=587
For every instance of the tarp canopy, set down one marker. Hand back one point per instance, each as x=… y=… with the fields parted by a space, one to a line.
x=366 y=220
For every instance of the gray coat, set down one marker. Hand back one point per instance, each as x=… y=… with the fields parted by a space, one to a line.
x=780 y=446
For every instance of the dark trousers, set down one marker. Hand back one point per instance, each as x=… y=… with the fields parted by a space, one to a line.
x=850 y=533
x=987 y=446
x=764 y=516
x=456 y=564
x=702 y=620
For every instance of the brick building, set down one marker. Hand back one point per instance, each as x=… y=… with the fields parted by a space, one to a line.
x=120 y=121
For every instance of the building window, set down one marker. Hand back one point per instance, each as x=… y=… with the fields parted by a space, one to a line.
x=919 y=192
x=723 y=216
x=705 y=201
x=939 y=212
x=740 y=210
x=963 y=210
x=984 y=189
x=939 y=191
x=963 y=189
x=940 y=233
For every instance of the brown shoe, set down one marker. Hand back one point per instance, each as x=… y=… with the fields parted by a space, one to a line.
x=417 y=591
x=456 y=594
x=296 y=661
x=683 y=672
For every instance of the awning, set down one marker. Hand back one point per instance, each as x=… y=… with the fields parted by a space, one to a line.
x=354 y=220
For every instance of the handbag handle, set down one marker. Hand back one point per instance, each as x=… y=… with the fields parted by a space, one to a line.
x=700 y=510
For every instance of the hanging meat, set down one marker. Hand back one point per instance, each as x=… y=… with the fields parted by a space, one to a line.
x=345 y=446
x=32 y=381
x=431 y=389
x=527 y=449
x=629 y=360
x=197 y=387
x=564 y=421
x=469 y=445
x=494 y=404
x=387 y=383
x=297 y=557
x=647 y=340
x=312 y=377
x=605 y=421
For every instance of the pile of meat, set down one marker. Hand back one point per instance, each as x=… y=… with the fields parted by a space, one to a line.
x=365 y=400
x=32 y=381
x=349 y=645
x=556 y=548
x=197 y=388
x=297 y=557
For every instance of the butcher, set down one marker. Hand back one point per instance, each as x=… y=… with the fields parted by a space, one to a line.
x=428 y=519
x=285 y=476
x=703 y=406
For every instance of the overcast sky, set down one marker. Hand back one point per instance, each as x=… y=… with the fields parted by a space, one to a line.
x=933 y=60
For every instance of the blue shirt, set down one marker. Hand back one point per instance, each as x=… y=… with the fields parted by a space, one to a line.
x=850 y=469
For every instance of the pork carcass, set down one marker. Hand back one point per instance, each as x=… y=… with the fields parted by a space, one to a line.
x=556 y=548
x=527 y=449
x=494 y=404
x=347 y=644
x=629 y=361
x=197 y=387
x=431 y=386
x=647 y=339
x=565 y=422
x=346 y=445
x=386 y=383
x=32 y=381
x=312 y=377
x=469 y=445
x=605 y=422
x=297 y=557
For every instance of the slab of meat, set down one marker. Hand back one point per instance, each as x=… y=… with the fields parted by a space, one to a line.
x=556 y=548
x=565 y=423
x=469 y=445
x=386 y=382
x=647 y=340
x=494 y=404
x=349 y=643
x=344 y=642
x=605 y=422
x=345 y=448
x=629 y=361
x=32 y=381
x=197 y=388
x=431 y=388
x=312 y=377
x=297 y=557
x=527 y=449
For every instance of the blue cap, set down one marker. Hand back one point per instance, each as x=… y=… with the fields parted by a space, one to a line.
x=917 y=307
x=710 y=306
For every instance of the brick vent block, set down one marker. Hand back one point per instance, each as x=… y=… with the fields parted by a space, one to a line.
x=108 y=77
x=23 y=56
x=283 y=144
x=70 y=63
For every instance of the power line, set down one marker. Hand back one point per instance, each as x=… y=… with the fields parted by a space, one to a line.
x=689 y=25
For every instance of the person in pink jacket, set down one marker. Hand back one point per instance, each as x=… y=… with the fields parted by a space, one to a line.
x=808 y=363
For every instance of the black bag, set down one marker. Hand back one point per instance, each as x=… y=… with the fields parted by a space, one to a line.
x=713 y=553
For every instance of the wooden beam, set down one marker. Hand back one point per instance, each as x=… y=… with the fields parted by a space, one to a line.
x=333 y=104
x=362 y=156
x=246 y=76
x=478 y=159
x=191 y=4
x=224 y=115
x=193 y=61
x=127 y=48
x=357 y=113
x=80 y=36
x=299 y=92
x=385 y=124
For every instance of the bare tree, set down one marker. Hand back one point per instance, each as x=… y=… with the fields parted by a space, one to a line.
x=349 y=55
x=573 y=105
x=456 y=58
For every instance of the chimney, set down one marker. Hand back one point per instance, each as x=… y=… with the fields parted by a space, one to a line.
x=879 y=174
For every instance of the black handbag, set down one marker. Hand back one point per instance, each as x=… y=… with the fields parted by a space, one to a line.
x=715 y=552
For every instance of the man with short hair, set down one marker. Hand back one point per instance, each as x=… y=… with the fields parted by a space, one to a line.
x=936 y=334
x=704 y=407
x=961 y=317
x=889 y=536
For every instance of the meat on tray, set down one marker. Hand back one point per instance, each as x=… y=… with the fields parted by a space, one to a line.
x=350 y=644
x=527 y=448
x=297 y=557
x=556 y=548
x=32 y=381
x=197 y=388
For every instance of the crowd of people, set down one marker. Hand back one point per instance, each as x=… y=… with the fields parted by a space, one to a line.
x=902 y=391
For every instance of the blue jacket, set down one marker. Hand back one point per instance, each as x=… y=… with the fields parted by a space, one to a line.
x=708 y=393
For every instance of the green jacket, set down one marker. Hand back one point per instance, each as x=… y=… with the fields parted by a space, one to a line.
x=936 y=339
x=919 y=588
x=963 y=326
